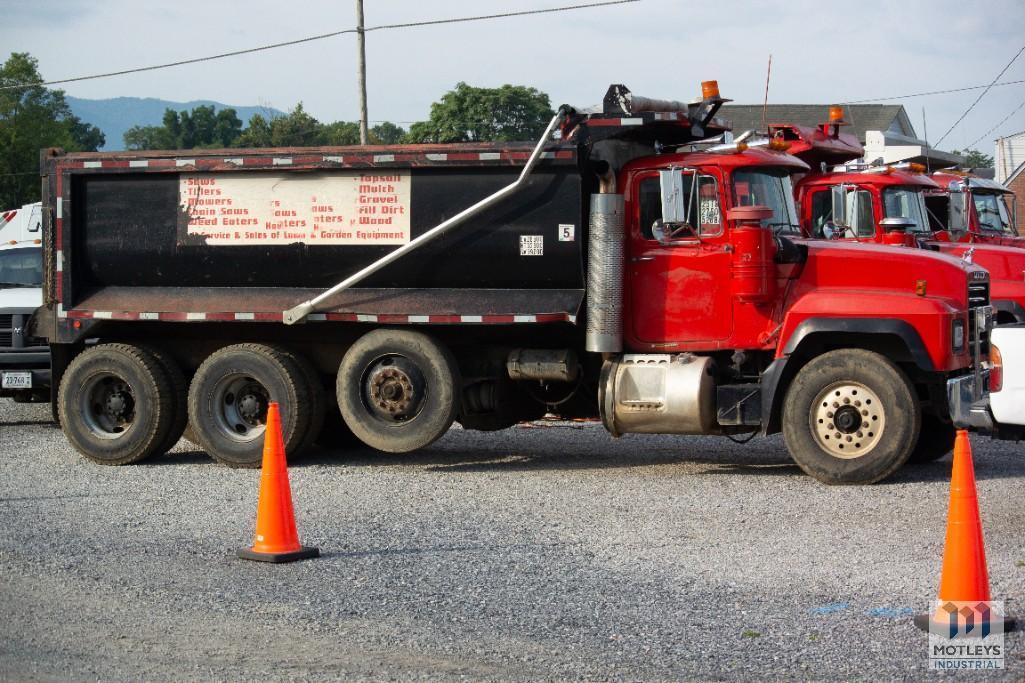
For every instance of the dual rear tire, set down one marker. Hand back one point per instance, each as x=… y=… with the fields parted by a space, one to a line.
x=397 y=391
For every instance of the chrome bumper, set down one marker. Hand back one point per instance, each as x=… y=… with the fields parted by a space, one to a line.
x=968 y=399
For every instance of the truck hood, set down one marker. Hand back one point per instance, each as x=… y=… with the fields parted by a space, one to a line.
x=847 y=265
x=1003 y=263
x=22 y=298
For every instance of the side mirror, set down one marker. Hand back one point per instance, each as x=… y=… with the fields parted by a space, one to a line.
x=673 y=208
x=839 y=197
x=660 y=232
x=898 y=223
x=957 y=220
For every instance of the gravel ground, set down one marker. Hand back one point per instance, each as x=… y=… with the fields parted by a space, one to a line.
x=543 y=552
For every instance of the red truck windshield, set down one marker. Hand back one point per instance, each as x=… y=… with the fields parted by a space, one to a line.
x=905 y=202
x=992 y=213
x=769 y=187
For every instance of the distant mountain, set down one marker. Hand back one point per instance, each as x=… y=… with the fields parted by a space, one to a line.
x=116 y=115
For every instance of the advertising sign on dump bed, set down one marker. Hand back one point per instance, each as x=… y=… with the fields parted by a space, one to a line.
x=352 y=208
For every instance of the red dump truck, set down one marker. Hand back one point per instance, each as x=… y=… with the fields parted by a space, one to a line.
x=888 y=205
x=967 y=208
x=635 y=264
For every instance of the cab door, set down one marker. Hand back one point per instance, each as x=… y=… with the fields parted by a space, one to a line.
x=679 y=287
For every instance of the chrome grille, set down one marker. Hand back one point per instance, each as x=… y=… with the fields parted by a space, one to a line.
x=978 y=294
x=978 y=297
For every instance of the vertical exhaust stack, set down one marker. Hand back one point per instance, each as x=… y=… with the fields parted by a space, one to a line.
x=605 y=253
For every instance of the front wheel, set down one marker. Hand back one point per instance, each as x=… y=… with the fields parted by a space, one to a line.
x=851 y=417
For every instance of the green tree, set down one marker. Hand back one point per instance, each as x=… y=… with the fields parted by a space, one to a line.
x=975 y=159
x=340 y=133
x=470 y=114
x=256 y=134
x=32 y=118
x=295 y=129
x=386 y=133
x=203 y=127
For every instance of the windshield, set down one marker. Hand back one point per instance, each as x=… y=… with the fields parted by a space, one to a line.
x=906 y=202
x=992 y=213
x=21 y=268
x=769 y=187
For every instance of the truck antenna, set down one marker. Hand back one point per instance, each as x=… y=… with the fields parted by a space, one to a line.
x=925 y=132
x=765 y=104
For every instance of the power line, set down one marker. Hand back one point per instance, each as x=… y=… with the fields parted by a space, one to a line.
x=981 y=95
x=933 y=92
x=1002 y=122
x=322 y=36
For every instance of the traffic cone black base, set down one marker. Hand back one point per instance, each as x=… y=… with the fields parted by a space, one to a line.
x=304 y=553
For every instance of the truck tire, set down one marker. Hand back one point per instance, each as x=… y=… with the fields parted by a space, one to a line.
x=116 y=404
x=398 y=390
x=229 y=397
x=850 y=417
x=179 y=396
x=935 y=440
x=318 y=397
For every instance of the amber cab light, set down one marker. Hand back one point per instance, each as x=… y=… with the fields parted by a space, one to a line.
x=920 y=287
x=916 y=168
x=709 y=90
x=835 y=113
x=779 y=145
x=996 y=369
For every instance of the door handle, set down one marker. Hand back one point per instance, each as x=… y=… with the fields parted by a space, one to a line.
x=635 y=259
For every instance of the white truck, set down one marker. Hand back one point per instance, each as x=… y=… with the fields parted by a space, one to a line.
x=1008 y=404
x=24 y=360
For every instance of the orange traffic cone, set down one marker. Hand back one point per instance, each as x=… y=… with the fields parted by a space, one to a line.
x=276 y=537
x=964 y=577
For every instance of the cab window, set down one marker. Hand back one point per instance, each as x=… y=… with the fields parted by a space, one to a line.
x=704 y=212
x=821 y=212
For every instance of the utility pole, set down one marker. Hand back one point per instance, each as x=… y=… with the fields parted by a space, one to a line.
x=361 y=45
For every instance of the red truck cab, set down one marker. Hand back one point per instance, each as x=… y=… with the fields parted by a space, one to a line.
x=966 y=208
x=888 y=205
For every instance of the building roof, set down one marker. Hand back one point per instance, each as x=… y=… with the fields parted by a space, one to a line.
x=862 y=117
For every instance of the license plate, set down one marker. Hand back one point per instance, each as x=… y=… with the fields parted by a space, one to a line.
x=16 y=380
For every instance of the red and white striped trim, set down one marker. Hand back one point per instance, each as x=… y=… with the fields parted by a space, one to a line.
x=355 y=160
x=391 y=319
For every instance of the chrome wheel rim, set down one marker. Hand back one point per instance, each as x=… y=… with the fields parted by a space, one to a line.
x=240 y=407
x=848 y=420
x=107 y=405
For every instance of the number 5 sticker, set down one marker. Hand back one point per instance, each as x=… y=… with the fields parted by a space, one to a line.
x=566 y=232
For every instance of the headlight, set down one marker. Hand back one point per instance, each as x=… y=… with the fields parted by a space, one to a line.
x=957 y=335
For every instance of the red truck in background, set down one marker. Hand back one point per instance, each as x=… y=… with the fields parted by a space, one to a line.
x=966 y=208
x=643 y=268
x=887 y=205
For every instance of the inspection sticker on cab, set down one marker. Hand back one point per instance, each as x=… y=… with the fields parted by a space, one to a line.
x=532 y=245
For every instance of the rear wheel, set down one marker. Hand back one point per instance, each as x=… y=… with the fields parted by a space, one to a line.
x=398 y=390
x=179 y=396
x=229 y=397
x=317 y=395
x=116 y=404
x=935 y=440
x=850 y=417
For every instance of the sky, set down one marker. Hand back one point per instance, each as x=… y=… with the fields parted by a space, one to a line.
x=821 y=53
